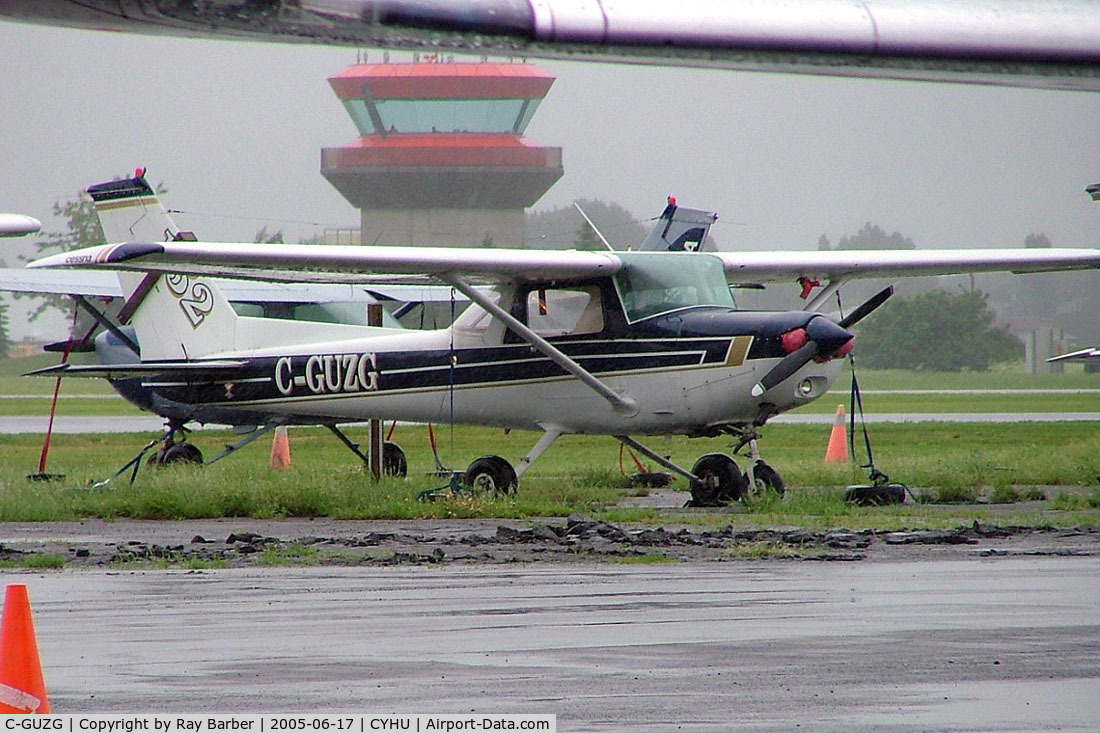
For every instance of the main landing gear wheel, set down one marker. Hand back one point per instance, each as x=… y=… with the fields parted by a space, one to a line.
x=765 y=479
x=394 y=462
x=177 y=453
x=720 y=481
x=493 y=475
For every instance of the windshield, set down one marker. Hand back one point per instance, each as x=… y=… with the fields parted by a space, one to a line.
x=657 y=283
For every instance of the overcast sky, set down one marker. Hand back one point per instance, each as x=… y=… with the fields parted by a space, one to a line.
x=234 y=131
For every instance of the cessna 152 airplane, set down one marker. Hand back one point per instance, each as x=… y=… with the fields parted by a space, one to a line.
x=654 y=335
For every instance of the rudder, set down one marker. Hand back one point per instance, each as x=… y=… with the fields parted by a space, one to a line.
x=129 y=211
x=175 y=316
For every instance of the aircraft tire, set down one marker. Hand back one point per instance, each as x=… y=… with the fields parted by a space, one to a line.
x=394 y=462
x=720 y=481
x=766 y=479
x=492 y=474
x=181 y=453
x=877 y=495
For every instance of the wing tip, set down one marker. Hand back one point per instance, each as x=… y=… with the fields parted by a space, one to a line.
x=100 y=255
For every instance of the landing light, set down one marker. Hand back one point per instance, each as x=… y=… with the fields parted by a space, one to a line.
x=805 y=388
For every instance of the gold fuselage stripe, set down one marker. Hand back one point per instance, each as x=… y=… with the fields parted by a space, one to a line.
x=738 y=350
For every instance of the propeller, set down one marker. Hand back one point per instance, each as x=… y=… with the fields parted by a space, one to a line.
x=868 y=306
x=823 y=337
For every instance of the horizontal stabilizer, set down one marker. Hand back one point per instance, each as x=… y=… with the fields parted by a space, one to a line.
x=202 y=369
x=73 y=347
x=1084 y=355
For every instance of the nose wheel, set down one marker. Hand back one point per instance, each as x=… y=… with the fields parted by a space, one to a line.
x=716 y=479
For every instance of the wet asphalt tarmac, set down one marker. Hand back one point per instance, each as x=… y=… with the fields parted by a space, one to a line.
x=991 y=644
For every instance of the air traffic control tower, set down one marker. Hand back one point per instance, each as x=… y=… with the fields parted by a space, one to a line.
x=441 y=158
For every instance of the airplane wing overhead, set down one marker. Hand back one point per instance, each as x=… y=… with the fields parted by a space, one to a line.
x=1030 y=43
x=335 y=263
x=96 y=284
x=856 y=264
x=345 y=263
x=102 y=284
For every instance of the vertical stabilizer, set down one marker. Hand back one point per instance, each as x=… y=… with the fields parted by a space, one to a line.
x=129 y=211
x=174 y=316
x=679 y=229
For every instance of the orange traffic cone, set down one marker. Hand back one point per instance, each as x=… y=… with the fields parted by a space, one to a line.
x=280 y=449
x=22 y=688
x=838 y=440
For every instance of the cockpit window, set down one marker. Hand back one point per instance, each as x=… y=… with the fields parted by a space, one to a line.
x=565 y=311
x=657 y=283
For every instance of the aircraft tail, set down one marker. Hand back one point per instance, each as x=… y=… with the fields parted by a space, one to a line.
x=679 y=229
x=174 y=316
x=129 y=211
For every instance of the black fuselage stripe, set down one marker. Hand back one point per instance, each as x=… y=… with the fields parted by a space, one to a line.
x=402 y=372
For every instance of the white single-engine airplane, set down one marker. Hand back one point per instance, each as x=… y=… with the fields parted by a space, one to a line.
x=618 y=343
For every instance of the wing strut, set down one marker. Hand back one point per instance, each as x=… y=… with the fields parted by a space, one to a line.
x=624 y=405
x=826 y=292
x=106 y=322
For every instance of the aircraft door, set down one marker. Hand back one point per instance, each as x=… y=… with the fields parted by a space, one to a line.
x=565 y=311
x=558 y=314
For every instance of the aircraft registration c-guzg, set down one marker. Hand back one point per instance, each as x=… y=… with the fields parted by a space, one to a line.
x=625 y=344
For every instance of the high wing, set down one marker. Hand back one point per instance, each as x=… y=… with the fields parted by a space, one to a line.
x=344 y=263
x=87 y=283
x=856 y=264
x=334 y=262
x=102 y=284
x=1031 y=43
x=17 y=225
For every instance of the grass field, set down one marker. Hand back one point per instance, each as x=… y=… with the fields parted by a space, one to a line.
x=961 y=463
x=580 y=474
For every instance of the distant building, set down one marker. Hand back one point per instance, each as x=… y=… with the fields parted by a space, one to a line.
x=24 y=349
x=441 y=158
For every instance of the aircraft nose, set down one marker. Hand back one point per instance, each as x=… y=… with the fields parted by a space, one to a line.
x=829 y=335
